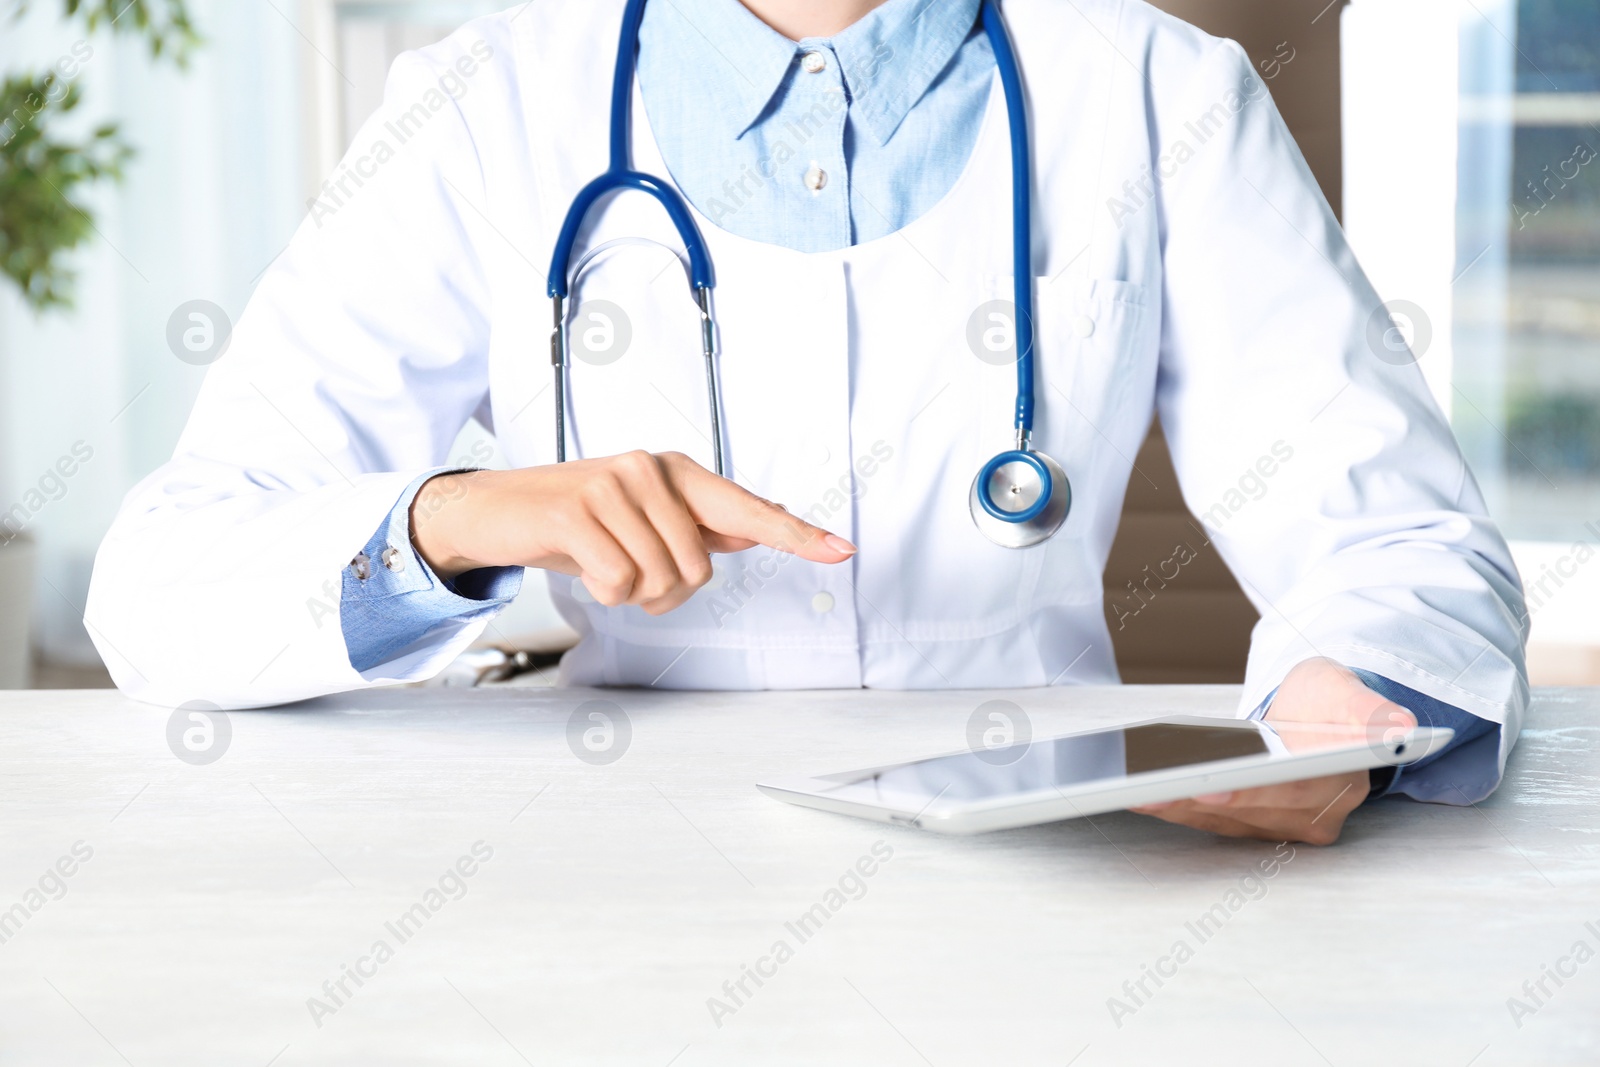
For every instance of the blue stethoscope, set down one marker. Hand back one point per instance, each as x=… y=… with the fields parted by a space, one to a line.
x=1021 y=496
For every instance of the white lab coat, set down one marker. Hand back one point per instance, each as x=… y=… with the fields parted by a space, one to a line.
x=1224 y=297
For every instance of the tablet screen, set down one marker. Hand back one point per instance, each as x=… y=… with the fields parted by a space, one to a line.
x=1056 y=763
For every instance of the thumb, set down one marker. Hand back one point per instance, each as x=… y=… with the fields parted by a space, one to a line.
x=1321 y=690
x=733 y=515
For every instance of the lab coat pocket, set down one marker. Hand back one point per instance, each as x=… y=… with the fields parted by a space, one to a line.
x=1096 y=365
x=1095 y=371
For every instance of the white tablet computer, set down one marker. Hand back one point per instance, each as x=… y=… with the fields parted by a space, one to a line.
x=1054 y=778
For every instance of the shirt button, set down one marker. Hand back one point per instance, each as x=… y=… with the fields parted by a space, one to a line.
x=1084 y=326
x=822 y=603
x=813 y=62
x=816 y=178
x=362 y=566
x=393 y=559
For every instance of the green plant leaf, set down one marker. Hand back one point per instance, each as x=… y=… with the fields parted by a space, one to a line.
x=165 y=24
x=41 y=178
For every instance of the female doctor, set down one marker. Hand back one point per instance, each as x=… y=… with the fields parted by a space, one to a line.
x=920 y=474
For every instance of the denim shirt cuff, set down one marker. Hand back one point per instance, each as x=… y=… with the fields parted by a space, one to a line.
x=391 y=598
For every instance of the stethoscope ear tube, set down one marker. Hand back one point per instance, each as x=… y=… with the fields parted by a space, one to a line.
x=558 y=361
x=708 y=347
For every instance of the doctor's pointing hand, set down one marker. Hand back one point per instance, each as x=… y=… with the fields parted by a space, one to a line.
x=921 y=272
x=635 y=528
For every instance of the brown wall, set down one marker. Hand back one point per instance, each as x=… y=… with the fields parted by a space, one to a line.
x=1196 y=626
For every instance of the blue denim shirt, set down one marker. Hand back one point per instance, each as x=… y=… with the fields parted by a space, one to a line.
x=885 y=112
x=814 y=145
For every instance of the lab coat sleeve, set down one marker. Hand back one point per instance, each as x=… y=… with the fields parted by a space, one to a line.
x=1316 y=459
x=357 y=361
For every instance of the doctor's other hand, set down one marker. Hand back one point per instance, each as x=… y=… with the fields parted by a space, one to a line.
x=636 y=528
x=1314 y=810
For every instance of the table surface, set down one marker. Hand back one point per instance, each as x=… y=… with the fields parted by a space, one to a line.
x=617 y=899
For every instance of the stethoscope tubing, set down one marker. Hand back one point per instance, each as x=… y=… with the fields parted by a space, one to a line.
x=701 y=273
x=1021 y=213
x=619 y=176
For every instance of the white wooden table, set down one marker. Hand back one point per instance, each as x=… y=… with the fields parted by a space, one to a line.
x=217 y=899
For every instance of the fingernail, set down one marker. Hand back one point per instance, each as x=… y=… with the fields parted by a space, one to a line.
x=1214 y=798
x=1154 y=807
x=839 y=544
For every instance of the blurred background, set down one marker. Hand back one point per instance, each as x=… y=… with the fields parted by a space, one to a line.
x=159 y=153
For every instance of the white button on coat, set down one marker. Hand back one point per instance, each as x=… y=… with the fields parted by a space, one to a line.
x=822 y=603
x=1083 y=326
x=377 y=342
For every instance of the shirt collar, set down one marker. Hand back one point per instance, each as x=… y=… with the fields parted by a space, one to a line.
x=892 y=55
x=889 y=58
x=737 y=60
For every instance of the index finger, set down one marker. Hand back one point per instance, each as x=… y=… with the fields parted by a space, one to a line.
x=733 y=511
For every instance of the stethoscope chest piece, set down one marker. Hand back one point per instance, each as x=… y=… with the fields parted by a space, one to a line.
x=1020 y=498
